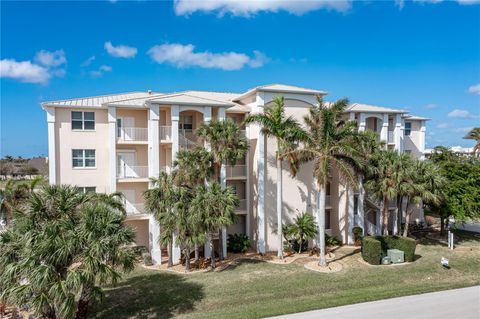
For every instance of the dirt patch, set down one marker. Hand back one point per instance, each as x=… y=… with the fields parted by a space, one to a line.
x=331 y=267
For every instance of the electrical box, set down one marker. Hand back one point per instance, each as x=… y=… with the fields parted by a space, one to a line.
x=396 y=256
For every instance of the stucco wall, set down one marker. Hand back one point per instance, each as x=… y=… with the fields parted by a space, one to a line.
x=141 y=231
x=67 y=139
x=413 y=141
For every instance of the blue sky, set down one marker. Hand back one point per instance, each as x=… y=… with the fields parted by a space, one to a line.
x=423 y=56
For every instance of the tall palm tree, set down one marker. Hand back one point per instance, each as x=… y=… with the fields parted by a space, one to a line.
x=227 y=145
x=287 y=132
x=474 y=134
x=403 y=167
x=213 y=207
x=329 y=144
x=160 y=201
x=382 y=181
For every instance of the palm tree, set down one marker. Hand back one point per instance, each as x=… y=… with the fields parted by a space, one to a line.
x=227 y=145
x=474 y=134
x=287 y=132
x=382 y=181
x=160 y=201
x=403 y=167
x=303 y=228
x=213 y=207
x=15 y=194
x=329 y=144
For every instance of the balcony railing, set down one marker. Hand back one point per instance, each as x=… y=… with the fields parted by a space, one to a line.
x=165 y=133
x=134 y=209
x=236 y=171
x=128 y=171
x=391 y=139
x=135 y=134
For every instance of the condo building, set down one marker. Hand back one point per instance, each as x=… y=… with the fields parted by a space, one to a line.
x=114 y=143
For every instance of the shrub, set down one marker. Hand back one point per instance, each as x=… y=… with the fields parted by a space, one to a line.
x=147 y=259
x=357 y=235
x=332 y=241
x=238 y=243
x=374 y=247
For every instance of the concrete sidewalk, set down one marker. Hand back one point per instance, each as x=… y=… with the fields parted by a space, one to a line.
x=450 y=304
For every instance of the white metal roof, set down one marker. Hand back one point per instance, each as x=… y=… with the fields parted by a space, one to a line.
x=97 y=101
x=189 y=99
x=416 y=118
x=357 y=107
x=280 y=88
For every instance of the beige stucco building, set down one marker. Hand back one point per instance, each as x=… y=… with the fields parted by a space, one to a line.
x=115 y=142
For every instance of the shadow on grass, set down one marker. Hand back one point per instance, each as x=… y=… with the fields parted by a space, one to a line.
x=159 y=295
x=242 y=261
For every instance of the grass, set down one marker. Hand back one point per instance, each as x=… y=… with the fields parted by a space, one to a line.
x=255 y=289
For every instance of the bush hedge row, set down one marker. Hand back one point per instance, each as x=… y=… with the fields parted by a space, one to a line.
x=375 y=247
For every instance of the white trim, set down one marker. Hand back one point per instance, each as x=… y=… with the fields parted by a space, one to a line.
x=112 y=155
x=153 y=141
x=52 y=169
x=261 y=245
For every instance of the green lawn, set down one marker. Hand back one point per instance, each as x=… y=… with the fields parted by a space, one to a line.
x=257 y=289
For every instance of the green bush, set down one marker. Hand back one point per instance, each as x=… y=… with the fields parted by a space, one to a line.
x=357 y=235
x=371 y=250
x=238 y=243
x=147 y=259
x=374 y=247
x=332 y=241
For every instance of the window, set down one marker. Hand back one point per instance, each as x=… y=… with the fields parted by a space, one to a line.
x=83 y=158
x=83 y=120
x=408 y=128
x=355 y=204
x=327 y=219
x=186 y=122
x=87 y=189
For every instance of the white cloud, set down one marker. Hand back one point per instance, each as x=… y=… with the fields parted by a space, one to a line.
x=183 y=56
x=249 y=8
x=88 y=61
x=461 y=2
x=101 y=70
x=443 y=125
x=24 y=71
x=50 y=59
x=431 y=106
x=463 y=129
x=474 y=89
x=463 y=114
x=120 y=51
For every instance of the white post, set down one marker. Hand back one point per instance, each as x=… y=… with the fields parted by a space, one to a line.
x=261 y=245
x=247 y=190
x=223 y=176
x=112 y=142
x=175 y=113
x=52 y=169
x=154 y=236
x=350 y=214
x=362 y=123
x=398 y=133
x=384 y=129
x=360 y=203
x=153 y=140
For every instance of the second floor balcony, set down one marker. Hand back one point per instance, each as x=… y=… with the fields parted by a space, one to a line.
x=236 y=171
x=132 y=135
x=242 y=206
x=131 y=172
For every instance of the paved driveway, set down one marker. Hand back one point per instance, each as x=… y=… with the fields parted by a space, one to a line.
x=450 y=304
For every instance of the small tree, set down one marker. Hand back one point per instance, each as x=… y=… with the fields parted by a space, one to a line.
x=304 y=228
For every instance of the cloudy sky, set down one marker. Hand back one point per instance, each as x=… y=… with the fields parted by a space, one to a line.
x=423 y=56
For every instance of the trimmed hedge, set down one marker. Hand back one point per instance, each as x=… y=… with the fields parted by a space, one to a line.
x=375 y=247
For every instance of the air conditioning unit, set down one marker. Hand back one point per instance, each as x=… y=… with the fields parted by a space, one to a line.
x=396 y=256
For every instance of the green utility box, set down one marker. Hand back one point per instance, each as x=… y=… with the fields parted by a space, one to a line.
x=386 y=260
x=396 y=256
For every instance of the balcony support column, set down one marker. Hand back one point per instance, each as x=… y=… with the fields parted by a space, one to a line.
x=261 y=167
x=52 y=169
x=154 y=237
x=175 y=113
x=398 y=133
x=360 y=204
x=223 y=184
x=422 y=140
x=153 y=140
x=384 y=129
x=350 y=214
x=112 y=155
x=362 y=123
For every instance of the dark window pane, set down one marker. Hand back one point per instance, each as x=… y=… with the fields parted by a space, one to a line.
x=77 y=125
x=77 y=153
x=327 y=219
x=89 y=116
x=77 y=162
x=89 y=125
x=90 y=189
x=90 y=153
x=89 y=162
x=77 y=116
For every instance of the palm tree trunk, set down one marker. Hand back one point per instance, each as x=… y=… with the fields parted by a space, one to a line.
x=212 y=251
x=385 y=215
x=220 y=244
x=442 y=225
x=407 y=220
x=84 y=301
x=170 y=251
x=398 y=212
x=321 y=223
x=187 y=259
x=197 y=254
x=279 y=207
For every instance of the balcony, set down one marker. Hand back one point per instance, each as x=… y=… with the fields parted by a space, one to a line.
x=132 y=135
x=132 y=172
x=165 y=133
x=391 y=138
x=134 y=209
x=236 y=171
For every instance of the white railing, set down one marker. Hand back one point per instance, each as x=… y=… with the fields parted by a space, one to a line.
x=236 y=171
x=185 y=143
x=128 y=171
x=165 y=133
x=391 y=139
x=134 y=209
x=242 y=204
x=132 y=134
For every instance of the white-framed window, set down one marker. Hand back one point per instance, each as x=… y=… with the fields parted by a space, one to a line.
x=408 y=128
x=186 y=122
x=327 y=218
x=87 y=189
x=83 y=120
x=83 y=158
